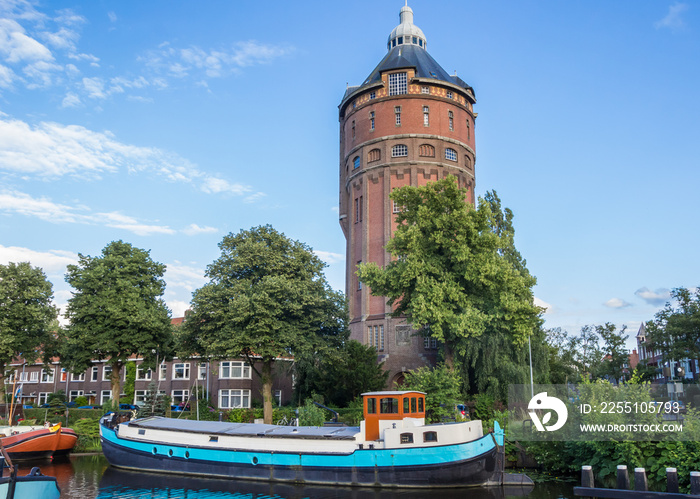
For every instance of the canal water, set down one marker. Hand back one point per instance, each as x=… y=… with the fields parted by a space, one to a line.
x=88 y=477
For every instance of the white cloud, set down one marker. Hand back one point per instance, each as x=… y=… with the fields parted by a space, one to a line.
x=656 y=298
x=674 y=18
x=71 y=100
x=178 y=307
x=617 y=303
x=52 y=261
x=51 y=150
x=194 y=229
x=548 y=308
x=184 y=276
x=112 y=16
x=6 y=76
x=17 y=47
x=330 y=257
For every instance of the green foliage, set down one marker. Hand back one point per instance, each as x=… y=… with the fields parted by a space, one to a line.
x=311 y=415
x=28 y=318
x=266 y=298
x=340 y=376
x=155 y=403
x=116 y=310
x=88 y=431
x=616 y=355
x=441 y=386
x=454 y=268
x=675 y=331
x=81 y=401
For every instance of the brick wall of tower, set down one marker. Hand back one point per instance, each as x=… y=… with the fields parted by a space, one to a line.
x=366 y=212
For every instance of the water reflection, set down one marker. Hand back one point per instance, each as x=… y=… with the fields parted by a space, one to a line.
x=87 y=477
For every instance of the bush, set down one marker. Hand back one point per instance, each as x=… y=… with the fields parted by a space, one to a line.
x=311 y=414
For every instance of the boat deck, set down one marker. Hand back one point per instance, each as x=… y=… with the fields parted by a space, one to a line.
x=246 y=429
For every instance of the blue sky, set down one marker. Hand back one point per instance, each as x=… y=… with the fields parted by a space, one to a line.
x=170 y=124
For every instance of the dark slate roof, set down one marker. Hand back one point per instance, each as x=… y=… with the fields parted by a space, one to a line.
x=413 y=56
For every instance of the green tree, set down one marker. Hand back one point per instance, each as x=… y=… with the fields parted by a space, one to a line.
x=453 y=269
x=561 y=357
x=587 y=352
x=441 y=387
x=267 y=298
x=342 y=375
x=675 y=330
x=28 y=319
x=615 y=355
x=116 y=310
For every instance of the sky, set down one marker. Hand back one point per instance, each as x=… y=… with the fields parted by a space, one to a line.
x=169 y=124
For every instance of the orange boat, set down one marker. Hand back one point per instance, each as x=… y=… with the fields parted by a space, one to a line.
x=66 y=442
x=33 y=444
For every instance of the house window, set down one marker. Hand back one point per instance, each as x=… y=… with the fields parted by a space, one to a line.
x=371 y=120
x=451 y=120
x=107 y=372
x=34 y=376
x=64 y=375
x=43 y=398
x=278 y=397
x=450 y=154
x=449 y=95
x=356 y=162
x=74 y=394
x=426 y=116
x=372 y=95
x=180 y=396
x=47 y=376
x=202 y=371
x=235 y=369
x=234 y=399
x=429 y=343
x=181 y=370
x=407 y=438
x=95 y=373
x=399 y=151
x=143 y=374
x=163 y=372
x=140 y=396
x=374 y=155
x=77 y=377
x=430 y=436
x=426 y=150
x=425 y=89
x=23 y=376
x=105 y=396
x=397 y=115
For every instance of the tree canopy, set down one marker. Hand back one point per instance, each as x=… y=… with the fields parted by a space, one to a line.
x=675 y=329
x=116 y=310
x=266 y=298
x=455 y=270
x=28 y=319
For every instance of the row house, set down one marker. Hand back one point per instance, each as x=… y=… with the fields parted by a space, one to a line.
x=230 y=383
x=667 y=370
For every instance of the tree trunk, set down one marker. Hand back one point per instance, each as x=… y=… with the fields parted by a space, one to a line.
x=449 y=356
x=266 y=379
x=115 y=380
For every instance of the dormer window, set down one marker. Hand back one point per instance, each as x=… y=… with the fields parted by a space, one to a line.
x=398 y=83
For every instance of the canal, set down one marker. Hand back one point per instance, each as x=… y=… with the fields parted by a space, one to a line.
x=87 y=477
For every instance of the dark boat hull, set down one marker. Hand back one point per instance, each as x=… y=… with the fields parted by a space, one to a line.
x=477 y=469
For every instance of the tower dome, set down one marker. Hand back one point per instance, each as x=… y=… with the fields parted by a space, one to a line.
x=406 y=33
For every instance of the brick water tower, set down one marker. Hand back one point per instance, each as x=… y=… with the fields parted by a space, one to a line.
x=408 y=123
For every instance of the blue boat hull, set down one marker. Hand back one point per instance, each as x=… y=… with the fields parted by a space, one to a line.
x=471 y=463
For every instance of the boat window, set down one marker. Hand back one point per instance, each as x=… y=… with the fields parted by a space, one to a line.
x=420 y=404
x=430 y=436
x=213 y=439
x=389 y=406
x=413 y=404
x=371 y=406
x=405 y=405
x=407 y=438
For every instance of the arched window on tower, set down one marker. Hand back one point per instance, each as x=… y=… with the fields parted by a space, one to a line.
x=450 y=154
x=374 y=155
x=356 y=162
x=399 y=151
x=426 y=150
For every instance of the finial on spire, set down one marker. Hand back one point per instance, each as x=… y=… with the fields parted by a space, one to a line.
x=406 y=33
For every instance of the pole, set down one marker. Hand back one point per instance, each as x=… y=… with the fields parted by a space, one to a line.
x=532 y=384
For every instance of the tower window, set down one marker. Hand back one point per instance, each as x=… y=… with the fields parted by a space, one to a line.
x=415 y=40
x=372 y=95
x=469 y=130
x=358 y=209
x=397 y=115
x=400 y=40
x=450 y=154
x=353 y=129
x=451 y=120
x=399 y=151
x=426 y=116
x=371 y=120
x=426 y=150
x=398 y=83
x=425 y=90
x=354 y=104
x=374 y=155
x=449 y=95
x=356 y=162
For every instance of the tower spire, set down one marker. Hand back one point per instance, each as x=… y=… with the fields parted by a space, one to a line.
x=406 y=33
